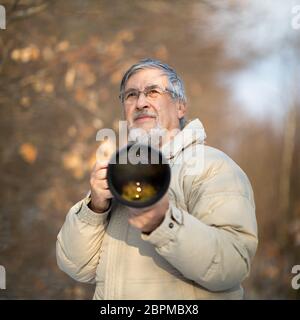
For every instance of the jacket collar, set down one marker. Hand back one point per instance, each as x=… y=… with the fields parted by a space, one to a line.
x=192 y=132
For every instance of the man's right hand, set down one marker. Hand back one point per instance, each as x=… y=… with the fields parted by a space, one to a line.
x=100 y=193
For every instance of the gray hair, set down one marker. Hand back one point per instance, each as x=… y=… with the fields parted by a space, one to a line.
x=175 y=82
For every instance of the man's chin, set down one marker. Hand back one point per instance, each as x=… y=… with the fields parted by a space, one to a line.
x=146 y=132
x=145 y=125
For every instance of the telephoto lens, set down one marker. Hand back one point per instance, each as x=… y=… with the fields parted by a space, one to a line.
x=138 y=175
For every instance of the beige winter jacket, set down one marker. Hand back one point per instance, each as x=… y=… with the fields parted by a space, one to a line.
x=202 y=250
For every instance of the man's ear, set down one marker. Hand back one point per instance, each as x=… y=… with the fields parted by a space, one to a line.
x=181 y=109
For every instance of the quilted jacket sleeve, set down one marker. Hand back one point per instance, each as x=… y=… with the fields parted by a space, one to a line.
x=213 y=241
x=79 y=241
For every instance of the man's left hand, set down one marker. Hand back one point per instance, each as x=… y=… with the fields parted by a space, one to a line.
x=150 y=218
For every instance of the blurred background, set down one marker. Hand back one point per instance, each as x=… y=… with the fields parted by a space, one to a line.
x=60 y=67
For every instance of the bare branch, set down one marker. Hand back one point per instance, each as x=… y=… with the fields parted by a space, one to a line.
x=28 y=11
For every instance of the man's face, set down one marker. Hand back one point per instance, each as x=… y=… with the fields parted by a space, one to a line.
x=147 y=113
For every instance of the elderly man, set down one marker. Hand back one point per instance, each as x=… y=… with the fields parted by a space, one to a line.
x=197 y=242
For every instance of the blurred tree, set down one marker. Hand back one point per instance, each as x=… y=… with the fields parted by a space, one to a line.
x=61 y=63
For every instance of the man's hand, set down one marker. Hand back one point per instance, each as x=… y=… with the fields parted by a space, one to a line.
x=150 y=218
x=100 y=194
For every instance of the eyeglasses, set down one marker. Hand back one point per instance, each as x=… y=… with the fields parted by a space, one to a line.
x=152 y=93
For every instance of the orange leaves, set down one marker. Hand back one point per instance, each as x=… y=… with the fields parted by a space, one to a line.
x=92 y=160
x=85 y=75
x=80 y=95
x=72 y=131
x=97 y=123
x=116 y=77
x=103 y=94
x=125 y=35
x=105 y=150
x=62 y=46
x=28 y=152
x=82 y=73
x=73 y=162
x=87 y=99
x=32 y=52
x=70 y=78
x=161 y=52
x=78 y=161
x=48 y=53
x=40 y=85
x=115 y=50
x=27 y=54
x=25 y=101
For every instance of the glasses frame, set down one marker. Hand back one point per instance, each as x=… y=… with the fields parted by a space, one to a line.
x=145 y=92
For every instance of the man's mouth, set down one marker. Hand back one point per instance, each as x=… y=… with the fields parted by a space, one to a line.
x=144 y=117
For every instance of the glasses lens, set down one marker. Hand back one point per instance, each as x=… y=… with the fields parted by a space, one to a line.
x=131 y=96
x=152 y=93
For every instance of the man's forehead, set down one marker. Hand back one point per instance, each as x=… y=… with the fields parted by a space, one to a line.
x=146 y=77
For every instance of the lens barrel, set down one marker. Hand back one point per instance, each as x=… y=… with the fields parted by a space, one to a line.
x=138 y=175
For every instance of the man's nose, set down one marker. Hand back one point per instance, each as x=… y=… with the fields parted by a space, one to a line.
x=142 y=102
